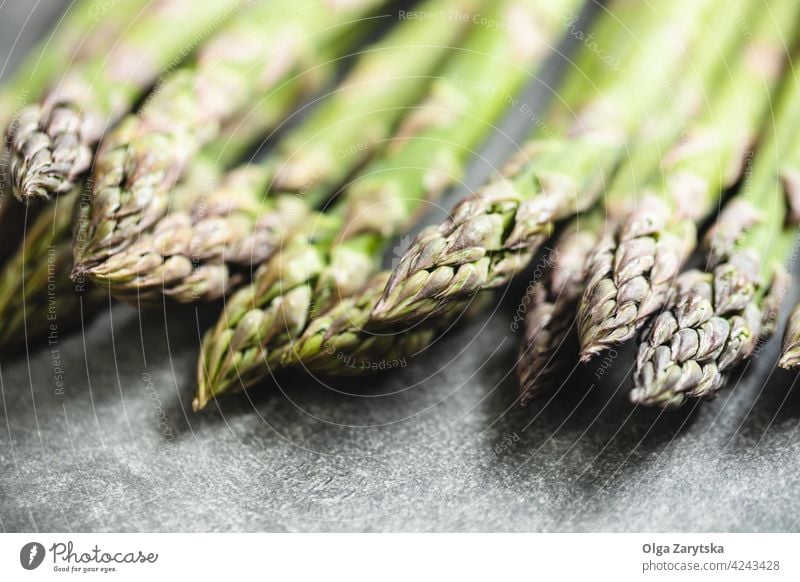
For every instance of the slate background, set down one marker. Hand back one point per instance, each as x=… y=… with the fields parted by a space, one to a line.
x=413 y=450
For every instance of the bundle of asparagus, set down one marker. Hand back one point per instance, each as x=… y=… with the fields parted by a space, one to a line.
x=714 y=318
x=37 y=274
x=137 y=164
x=552 y=305
x=494 y=233
x=164 y=218
x=335 y=256
x=634 y=267
x=346 y=334
x=190 y=253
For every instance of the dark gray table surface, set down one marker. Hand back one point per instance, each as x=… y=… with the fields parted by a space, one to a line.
x=412 y=450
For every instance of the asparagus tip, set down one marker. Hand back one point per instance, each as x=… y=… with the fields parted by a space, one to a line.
x=789 y=360
x=198 y=404
x=79 y=271
x=49 y=150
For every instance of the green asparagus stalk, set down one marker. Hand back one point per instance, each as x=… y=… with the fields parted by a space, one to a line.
x=338 y=342
x=238 y=225
x=81 y=32
x=714 y=318
x=550 y=344
x=334 y=260
x=633 y=269
x=55 y=139
x=491 y=235
x=256 y=54
x=37 y=297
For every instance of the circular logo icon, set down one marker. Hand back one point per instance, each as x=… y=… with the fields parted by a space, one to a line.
x=31 y=555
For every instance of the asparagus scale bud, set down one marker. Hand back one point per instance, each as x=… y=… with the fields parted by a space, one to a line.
x=78 y=36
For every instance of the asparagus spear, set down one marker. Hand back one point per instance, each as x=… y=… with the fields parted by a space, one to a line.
x=490 y=235
x=79 y=34
x=139 y=162
x=238 y=226
x=714 y=318
x=632 y=271
x=35 y=287
x=549 y=344
x=55 y=139
x=336 y=256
